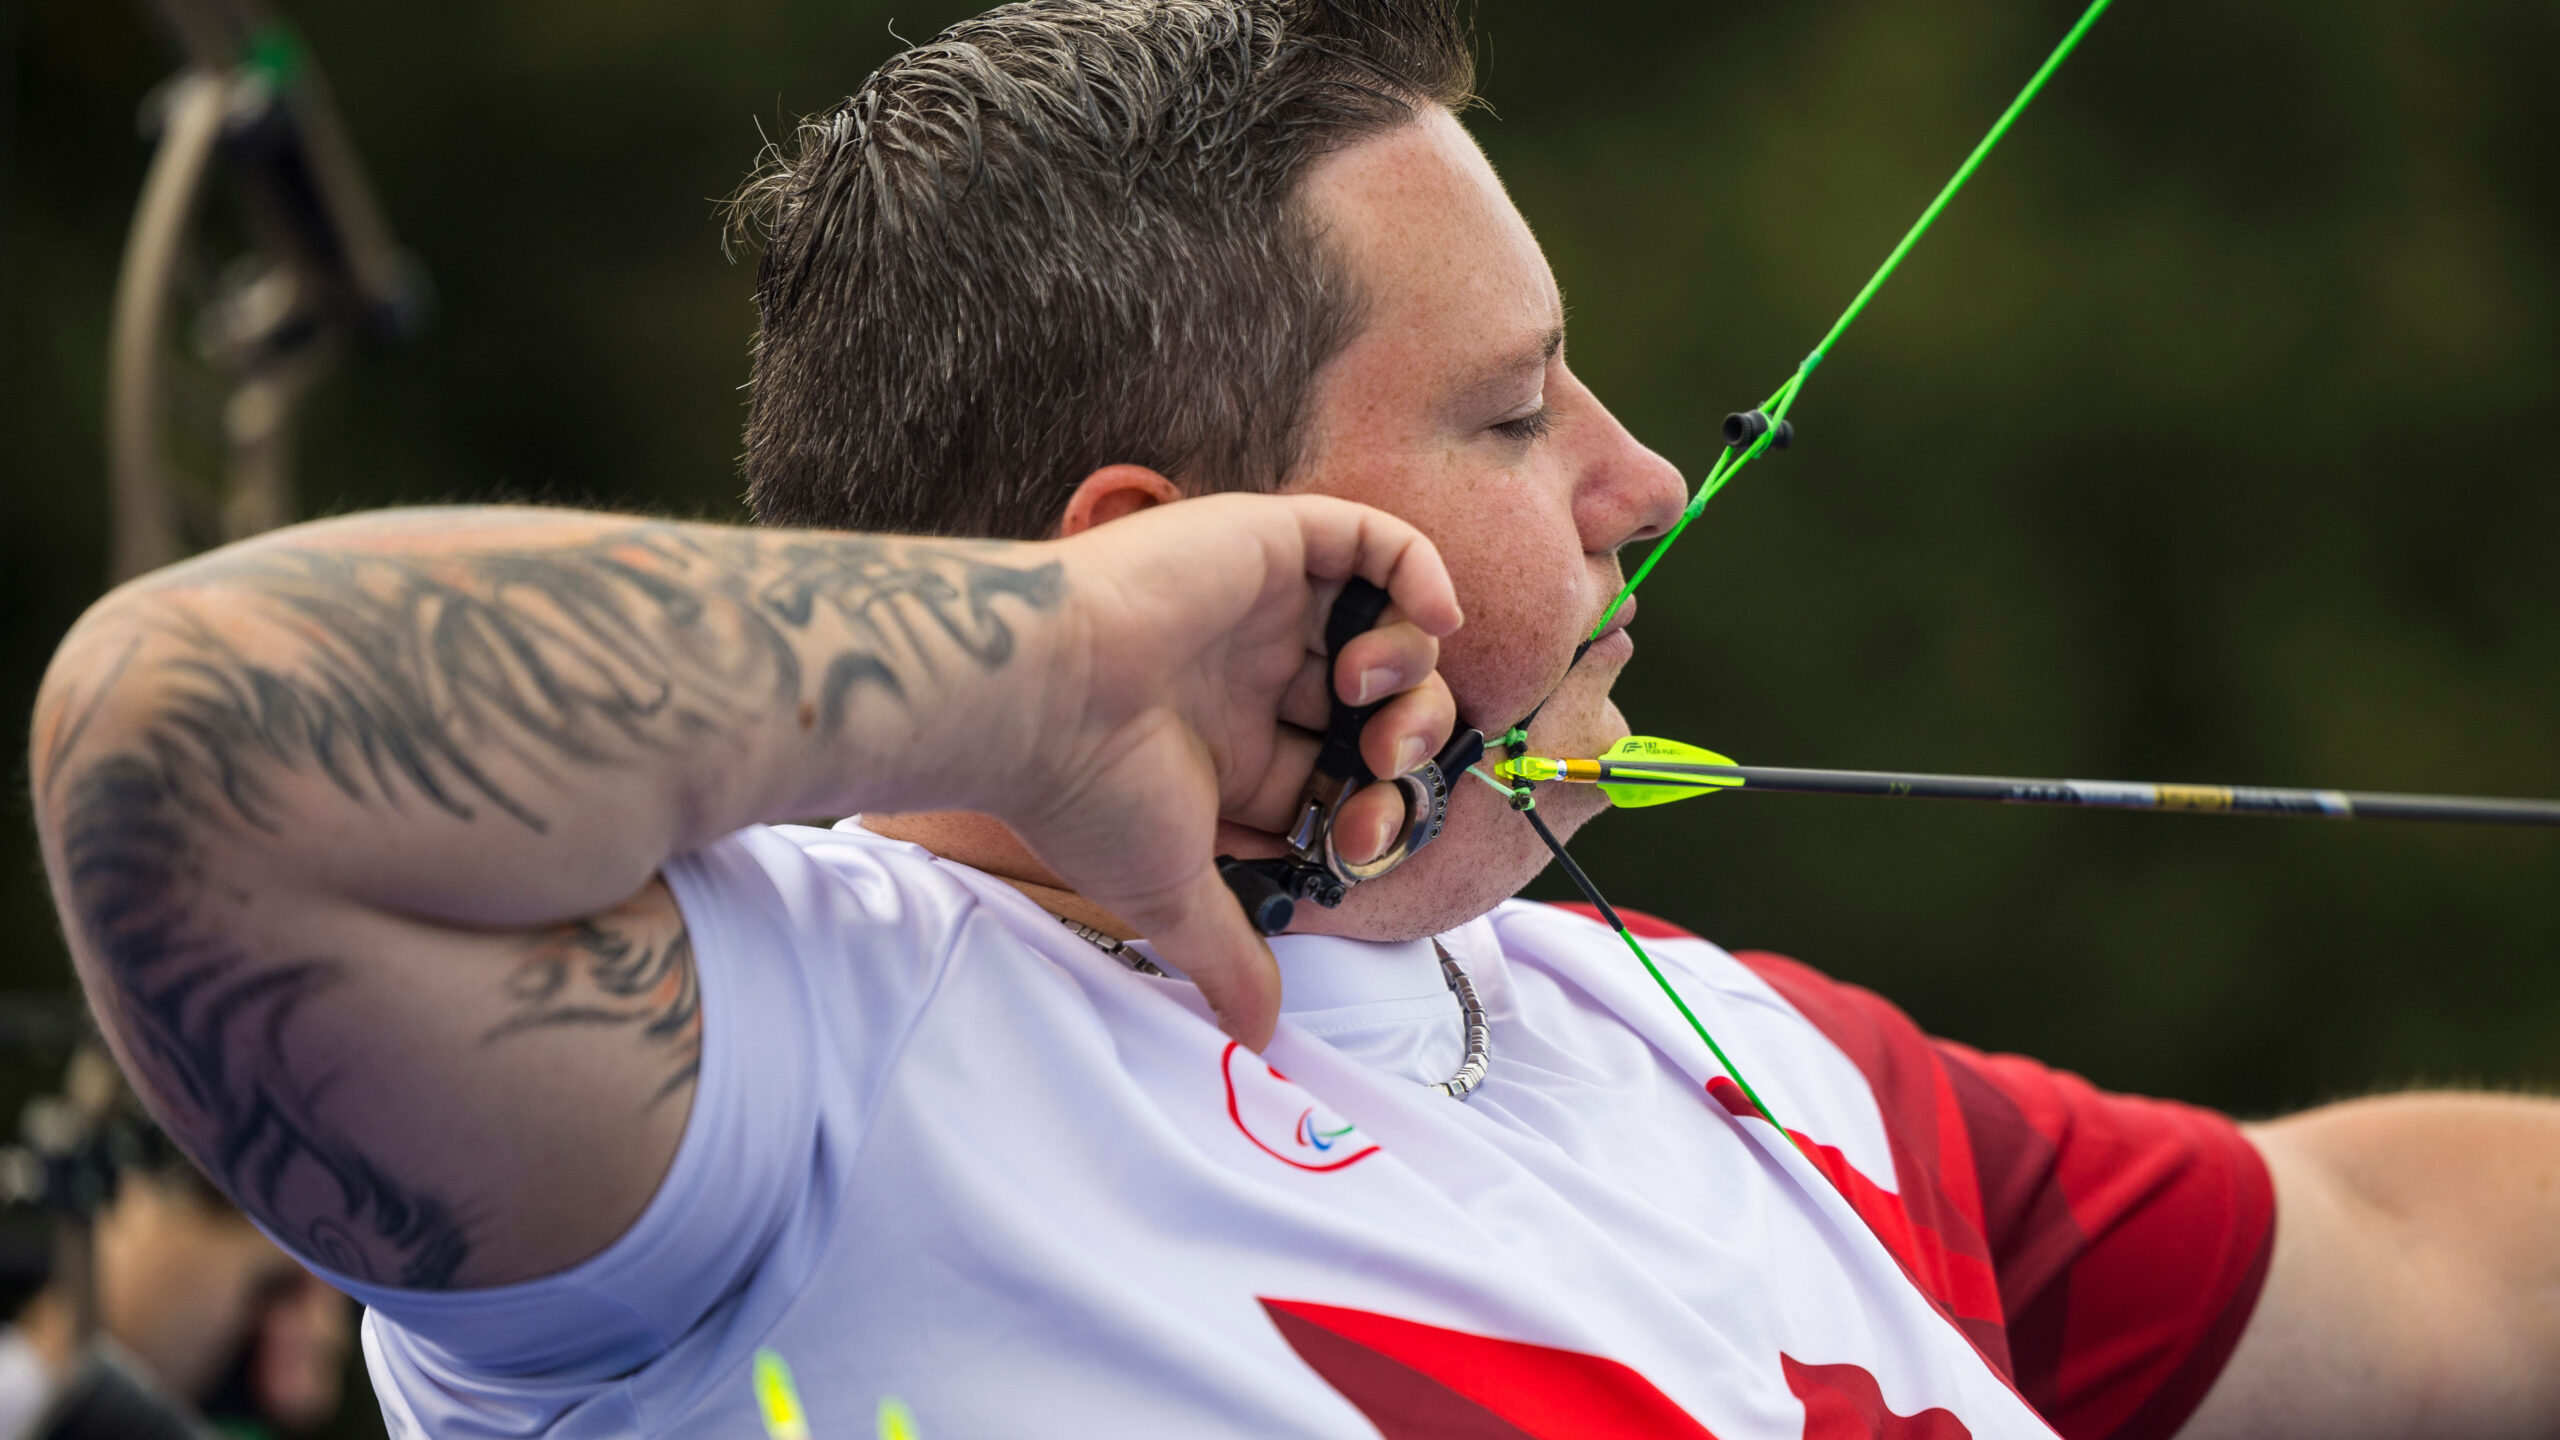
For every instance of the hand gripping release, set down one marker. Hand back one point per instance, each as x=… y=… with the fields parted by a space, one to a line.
x=1315 y=869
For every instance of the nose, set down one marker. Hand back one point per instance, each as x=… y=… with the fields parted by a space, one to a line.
x=1624 y=492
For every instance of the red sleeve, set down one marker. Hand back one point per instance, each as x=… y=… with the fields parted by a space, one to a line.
x=2127 y=1238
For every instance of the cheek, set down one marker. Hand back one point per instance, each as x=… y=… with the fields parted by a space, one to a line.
x=1524 y=606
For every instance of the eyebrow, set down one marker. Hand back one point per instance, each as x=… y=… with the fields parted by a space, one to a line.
x=1537 y=355
x=1548 y=347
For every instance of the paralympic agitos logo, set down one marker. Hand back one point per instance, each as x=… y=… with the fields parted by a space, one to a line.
x=1285 y=1122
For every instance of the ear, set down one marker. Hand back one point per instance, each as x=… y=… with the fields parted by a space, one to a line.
x=1114 y=491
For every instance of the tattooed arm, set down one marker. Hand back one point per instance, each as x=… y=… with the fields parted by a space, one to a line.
x=355 y=828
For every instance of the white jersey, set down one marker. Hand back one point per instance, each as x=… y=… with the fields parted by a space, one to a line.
x=957 y=1172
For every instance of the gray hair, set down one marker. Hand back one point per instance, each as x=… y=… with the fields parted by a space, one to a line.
x=1062 y=235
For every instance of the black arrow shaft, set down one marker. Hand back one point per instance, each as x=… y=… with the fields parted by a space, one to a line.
x=2097 y=794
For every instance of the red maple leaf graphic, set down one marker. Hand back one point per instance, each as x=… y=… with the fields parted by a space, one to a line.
x=1842 y=1402
x=1422 y=1382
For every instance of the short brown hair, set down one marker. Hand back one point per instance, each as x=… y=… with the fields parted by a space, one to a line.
x=1062 y=235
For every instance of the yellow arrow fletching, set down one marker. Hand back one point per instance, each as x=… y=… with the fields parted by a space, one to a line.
x=1620 y=772
x=1625 y=760
x=1636 y=749
x=1635 y=794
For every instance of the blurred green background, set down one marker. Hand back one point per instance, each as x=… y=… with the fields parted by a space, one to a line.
x=2214 y=435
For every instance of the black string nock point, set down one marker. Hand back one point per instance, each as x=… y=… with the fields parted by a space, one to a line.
x=1461 y=754
x=1523 y=799
x=1749 y=425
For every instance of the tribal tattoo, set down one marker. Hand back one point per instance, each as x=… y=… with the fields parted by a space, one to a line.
x=483 y=687
x=612 y=973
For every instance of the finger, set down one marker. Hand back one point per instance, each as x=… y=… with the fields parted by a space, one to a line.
x=1378 y=663
x=1368 y=823
x=1202 y=930
x=1308 y=701
x=1271 y=805
x=1341 y=539
x=1410 y=729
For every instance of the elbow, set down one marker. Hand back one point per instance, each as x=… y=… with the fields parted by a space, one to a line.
x=93 y=700
x=117 y=843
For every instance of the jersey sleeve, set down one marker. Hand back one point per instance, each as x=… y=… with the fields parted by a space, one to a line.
x=2128 y=1237
x=810 y=968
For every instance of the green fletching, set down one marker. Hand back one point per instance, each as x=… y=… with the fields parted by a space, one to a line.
x=1630 y=786
x=1628 y=796
x=1637 y=749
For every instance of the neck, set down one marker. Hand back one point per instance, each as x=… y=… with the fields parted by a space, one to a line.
x=985 y=843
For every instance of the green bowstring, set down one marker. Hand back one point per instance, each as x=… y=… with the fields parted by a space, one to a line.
x=1712 y=1047
x=1528 y=808
x=1731 y=462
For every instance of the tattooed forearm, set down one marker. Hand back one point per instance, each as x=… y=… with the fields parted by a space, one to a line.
x=505 y=700
x=454 y=680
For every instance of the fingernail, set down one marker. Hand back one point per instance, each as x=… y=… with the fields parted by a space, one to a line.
x=1375 y=684
x=1410 y=752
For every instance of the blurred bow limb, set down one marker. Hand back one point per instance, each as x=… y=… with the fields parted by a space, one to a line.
x=320 y=274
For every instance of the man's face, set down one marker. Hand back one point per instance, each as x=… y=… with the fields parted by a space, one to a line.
x=1454 y=409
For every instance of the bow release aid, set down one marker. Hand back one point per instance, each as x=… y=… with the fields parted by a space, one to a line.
x=1316 y=869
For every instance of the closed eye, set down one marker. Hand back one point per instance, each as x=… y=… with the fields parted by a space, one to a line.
x=1533 y=426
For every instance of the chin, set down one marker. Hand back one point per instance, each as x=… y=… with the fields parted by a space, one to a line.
x=1613 y=727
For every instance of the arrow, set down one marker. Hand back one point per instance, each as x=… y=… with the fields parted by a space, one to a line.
x=1641 y=770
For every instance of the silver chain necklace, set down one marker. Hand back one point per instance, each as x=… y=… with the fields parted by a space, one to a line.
x=1471 y=1070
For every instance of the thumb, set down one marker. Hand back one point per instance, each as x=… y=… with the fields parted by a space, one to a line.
x=1201 y=929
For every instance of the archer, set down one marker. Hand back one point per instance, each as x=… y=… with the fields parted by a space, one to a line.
x=427 y=871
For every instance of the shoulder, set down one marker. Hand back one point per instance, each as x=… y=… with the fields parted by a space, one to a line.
x=1570 y=935
x=839 y=933
x=815 y=890
x=1765 y=1028
x=2103 y=1250
x=816 y=950
x=1867 y=1029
